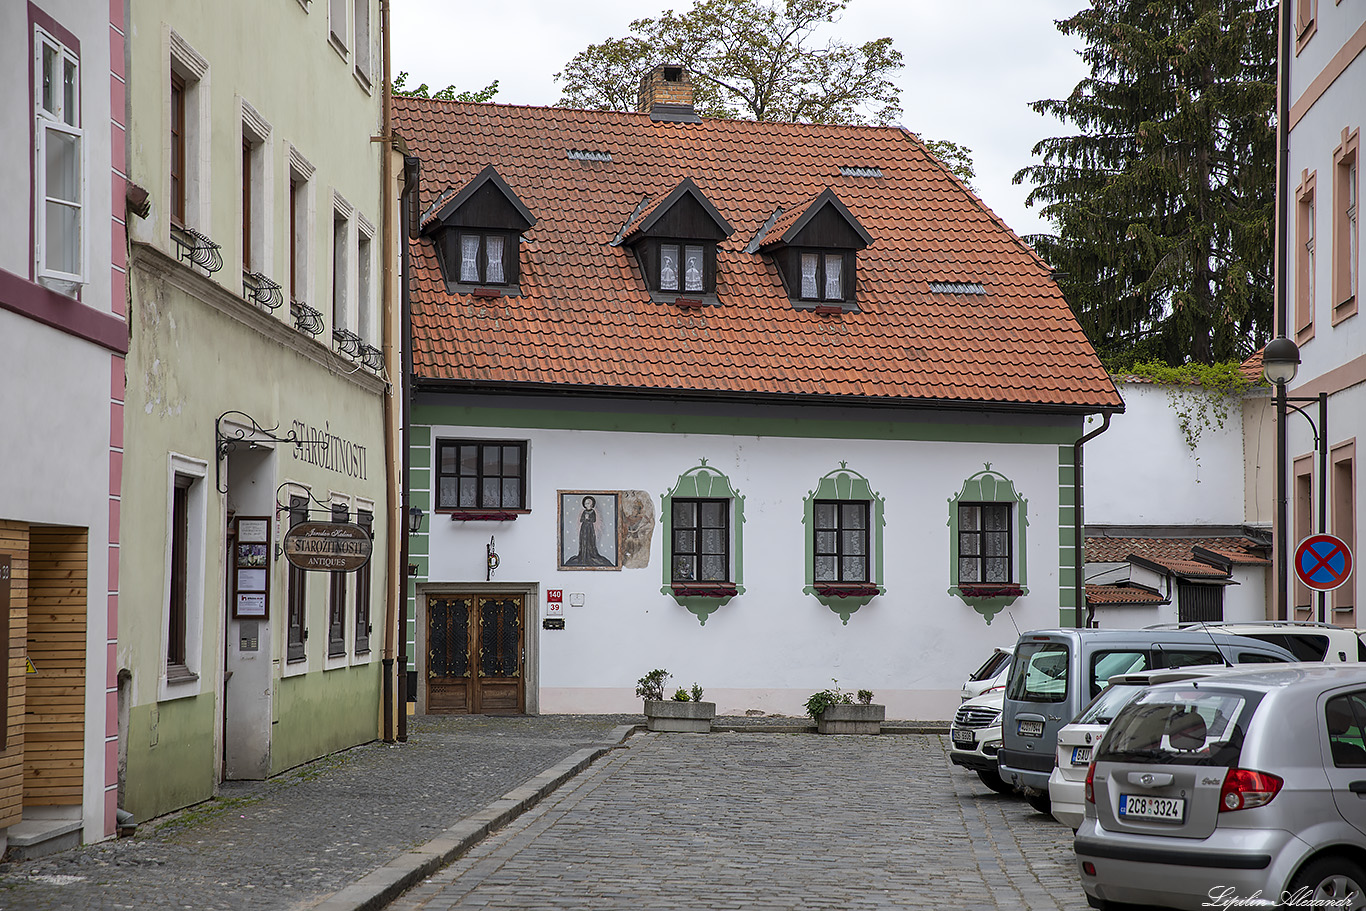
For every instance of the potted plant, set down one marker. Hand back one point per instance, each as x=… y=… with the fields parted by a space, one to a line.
x=684 y=713
x=836 y=712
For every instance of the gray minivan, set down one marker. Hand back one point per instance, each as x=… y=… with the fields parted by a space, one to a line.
x=1056 y=672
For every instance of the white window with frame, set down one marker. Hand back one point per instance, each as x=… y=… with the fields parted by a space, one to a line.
x=257 y=237
x=341 y=263
x=183 y=601
x=361 y=20
x=336 y=25
x=300 y=227
x=365 y=279
x=59 y=167
x=187 y=138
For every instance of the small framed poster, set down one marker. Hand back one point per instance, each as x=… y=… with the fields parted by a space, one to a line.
x=251 y=567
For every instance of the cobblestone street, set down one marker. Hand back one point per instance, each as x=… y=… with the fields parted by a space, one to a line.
x=768 y=821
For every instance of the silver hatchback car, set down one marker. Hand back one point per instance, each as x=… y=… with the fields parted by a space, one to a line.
x=1243 y=789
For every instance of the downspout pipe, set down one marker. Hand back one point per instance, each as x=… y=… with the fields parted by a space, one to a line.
x=409 y=204
x=397 y=521
x=1079 y=525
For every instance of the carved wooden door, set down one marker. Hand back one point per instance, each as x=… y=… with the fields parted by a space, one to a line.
x=475 y=645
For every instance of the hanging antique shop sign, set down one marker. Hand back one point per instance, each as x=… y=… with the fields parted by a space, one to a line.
x=338 y=547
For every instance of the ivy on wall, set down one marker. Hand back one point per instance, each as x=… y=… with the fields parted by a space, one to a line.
x=1203 y=396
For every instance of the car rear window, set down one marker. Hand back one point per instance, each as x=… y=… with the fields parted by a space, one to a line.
x=992 y=666
x=1105 y=665
x=1040 y=672
x=1103 y=708
x=1304 y=648
x=1184 y=726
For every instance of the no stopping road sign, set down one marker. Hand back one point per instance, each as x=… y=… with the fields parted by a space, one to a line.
x=1323 y=562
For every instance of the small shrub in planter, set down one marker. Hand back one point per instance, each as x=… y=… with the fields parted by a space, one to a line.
x=835 y=712
x=684 y=713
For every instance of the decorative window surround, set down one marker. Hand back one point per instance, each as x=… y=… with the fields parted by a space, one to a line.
x=702 y=598
x=193 y=69
x=256 y=132
x=192 y=474
x=844 y=598
x=989 y=598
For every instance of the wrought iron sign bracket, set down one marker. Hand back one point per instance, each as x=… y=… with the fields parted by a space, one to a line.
x=226 y=440
x=492 y=560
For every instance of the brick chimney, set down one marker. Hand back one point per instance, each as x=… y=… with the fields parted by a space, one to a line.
x=666 y=94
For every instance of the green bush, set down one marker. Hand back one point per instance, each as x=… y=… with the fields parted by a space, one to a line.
x=817 y=703
x=865 y=697
x=696 y=693
x=680 y=695
x=651 y=686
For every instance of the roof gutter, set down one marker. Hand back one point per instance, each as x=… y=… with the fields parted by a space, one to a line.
x=470 y=387
x=1079 y=527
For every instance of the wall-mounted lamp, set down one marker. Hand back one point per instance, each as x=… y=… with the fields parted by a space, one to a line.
x=415 y=515
x=492 y=558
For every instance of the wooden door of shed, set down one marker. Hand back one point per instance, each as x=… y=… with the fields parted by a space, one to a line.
x=475 y=646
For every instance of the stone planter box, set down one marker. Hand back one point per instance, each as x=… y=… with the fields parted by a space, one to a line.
x=851 y=719
x=680 y=717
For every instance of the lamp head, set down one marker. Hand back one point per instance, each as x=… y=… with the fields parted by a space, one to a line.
x=415 y=519
x=1280 y=361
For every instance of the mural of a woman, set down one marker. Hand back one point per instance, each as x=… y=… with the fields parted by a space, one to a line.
x=589 y=526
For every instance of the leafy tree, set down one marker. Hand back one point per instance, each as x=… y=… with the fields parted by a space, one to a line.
x=447 y=94
x=756 y=59
x=1163 y=203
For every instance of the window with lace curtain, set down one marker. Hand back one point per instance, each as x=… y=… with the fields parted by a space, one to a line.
x=483 y=259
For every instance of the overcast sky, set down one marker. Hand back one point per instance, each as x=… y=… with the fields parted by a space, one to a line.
x=972 y=66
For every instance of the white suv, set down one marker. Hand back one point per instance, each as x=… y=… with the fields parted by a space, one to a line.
x=975 y=738
x=1307 y=640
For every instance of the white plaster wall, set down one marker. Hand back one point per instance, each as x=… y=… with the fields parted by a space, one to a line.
x=1142 y=472
x=1312 y=141
x=771 y=647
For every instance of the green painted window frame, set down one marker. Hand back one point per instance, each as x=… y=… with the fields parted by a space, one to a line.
x=844 y=485
x=704 y=482
x=990 y=487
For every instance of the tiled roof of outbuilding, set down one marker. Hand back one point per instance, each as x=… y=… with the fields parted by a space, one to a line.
x=585 y=318
x=1121 y=594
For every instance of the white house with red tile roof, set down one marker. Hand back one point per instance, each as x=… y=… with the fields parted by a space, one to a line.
x=762 y=404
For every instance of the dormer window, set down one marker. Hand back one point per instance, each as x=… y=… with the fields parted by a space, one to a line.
x=675 y=240
x=682 y=267
x=822 y=276
x=482 y=259
x=478 y=232
x=815 y=247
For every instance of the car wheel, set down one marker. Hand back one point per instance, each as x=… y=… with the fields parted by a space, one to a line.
x=993 y=781
x=1040 y=802
x=1331 y=880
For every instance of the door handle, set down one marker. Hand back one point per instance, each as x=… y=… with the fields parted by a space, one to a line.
x=1357 y=787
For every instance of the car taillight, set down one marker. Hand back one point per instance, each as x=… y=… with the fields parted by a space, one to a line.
x=1244 y=788
x=1090 y=783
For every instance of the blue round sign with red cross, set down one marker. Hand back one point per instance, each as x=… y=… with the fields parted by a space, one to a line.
x=1323 y=562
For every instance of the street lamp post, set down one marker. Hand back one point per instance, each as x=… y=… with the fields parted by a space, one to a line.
x=1280 y=363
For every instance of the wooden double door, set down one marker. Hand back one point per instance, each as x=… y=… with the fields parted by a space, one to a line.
x=476 y=647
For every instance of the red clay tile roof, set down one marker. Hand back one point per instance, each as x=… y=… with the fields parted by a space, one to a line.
x=1241 y=558
x=1116 y=550
x=1190 y=568
x=1251 y=369
x=585 y=317
x=1121 y=594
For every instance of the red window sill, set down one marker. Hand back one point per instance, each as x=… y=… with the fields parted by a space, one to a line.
x=827 y=310
x=486 y=292
x=704 y=590
x=991 y=591
x=688 y=302
x=859 y=590
x=484 y=515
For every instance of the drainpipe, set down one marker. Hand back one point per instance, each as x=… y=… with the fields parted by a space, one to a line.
x=407 y=206
x=395 y=579
x=1078 y=529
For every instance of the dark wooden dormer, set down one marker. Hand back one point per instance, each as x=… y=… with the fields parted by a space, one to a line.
x=478 y=232
x=816 y=248
x=674 y=239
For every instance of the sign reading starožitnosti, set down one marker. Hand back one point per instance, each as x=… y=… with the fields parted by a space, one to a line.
x=338 y=547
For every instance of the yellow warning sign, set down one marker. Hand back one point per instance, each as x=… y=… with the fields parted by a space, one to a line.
x=29 y=667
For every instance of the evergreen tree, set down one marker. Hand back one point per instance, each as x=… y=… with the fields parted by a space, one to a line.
x=1164 y=202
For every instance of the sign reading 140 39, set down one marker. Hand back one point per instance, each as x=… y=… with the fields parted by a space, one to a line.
x=1323 y=562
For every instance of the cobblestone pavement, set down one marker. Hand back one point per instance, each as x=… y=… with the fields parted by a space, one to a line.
x=767 y=821
x=283 y=843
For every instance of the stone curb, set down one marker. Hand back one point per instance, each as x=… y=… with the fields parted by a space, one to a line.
x=380 y=887
x=888 y=727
